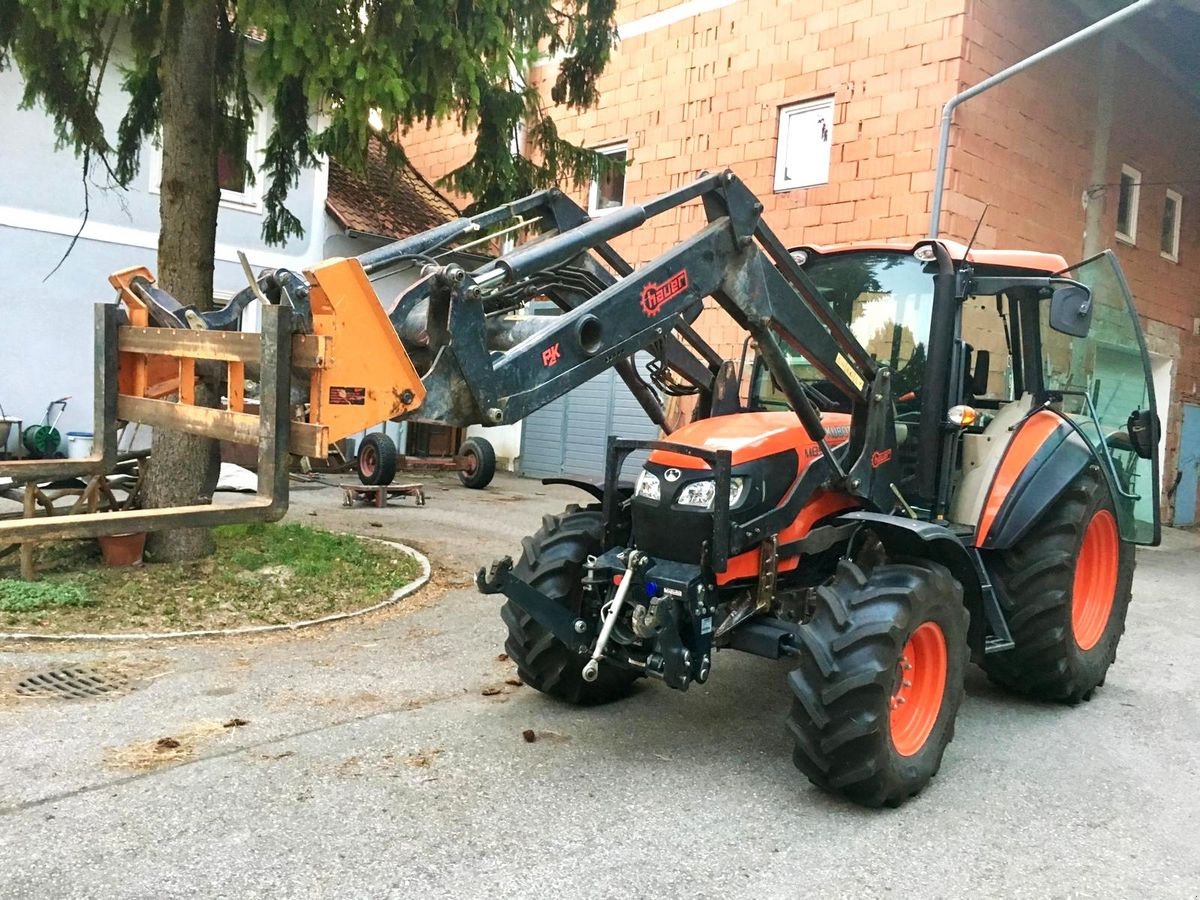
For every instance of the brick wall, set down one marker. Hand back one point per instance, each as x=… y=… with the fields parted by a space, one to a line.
x=704 y=93
x=1025 y=148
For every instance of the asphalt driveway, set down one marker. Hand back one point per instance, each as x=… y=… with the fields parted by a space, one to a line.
x=385 y=758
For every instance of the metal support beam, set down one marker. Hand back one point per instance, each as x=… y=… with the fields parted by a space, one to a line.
x=1072 y=40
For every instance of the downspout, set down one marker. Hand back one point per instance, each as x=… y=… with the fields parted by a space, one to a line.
x=939 y=179
x=1093 y=195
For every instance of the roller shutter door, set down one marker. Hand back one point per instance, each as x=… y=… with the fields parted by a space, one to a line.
x=569 y=436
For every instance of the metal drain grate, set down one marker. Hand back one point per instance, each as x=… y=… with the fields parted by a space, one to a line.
x=73 y=683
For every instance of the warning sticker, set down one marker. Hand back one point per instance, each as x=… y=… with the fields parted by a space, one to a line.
x=347 y=396
x=848 y=369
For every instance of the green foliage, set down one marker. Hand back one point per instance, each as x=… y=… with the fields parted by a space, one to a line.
x=34 y=596
x=322 y=67
x=265 y=573
x=306 y=551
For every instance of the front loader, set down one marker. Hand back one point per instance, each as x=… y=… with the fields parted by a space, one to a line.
x=928 y=455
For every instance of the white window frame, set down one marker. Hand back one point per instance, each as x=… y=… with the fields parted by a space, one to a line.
x=1176 y=198
x=786 y=113
x=1130 y=236
x=249 y=200
x=594 y=187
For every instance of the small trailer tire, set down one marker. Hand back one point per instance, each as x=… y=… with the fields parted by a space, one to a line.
x=481 y=463
x=377 y=459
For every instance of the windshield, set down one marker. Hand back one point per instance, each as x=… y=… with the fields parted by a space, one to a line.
x=886 y=298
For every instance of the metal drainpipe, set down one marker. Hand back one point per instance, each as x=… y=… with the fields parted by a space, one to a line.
x=939 y=178
x=1093 y=194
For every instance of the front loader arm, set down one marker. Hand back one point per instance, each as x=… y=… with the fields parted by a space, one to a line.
x=735 y=259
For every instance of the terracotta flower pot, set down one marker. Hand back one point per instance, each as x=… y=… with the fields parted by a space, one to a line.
x=122 y=549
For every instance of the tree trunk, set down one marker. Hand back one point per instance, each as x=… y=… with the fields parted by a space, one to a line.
x=182 y=467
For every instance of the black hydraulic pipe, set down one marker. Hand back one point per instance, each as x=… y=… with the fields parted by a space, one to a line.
x=777 y=364
x=388 y=255
x=557 y=250
x=435 y=238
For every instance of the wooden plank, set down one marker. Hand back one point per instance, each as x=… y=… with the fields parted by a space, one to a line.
x=94 y=524
x=219 y=424
x=308 y=350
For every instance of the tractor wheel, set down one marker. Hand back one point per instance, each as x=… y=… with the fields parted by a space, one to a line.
x=552 y=560
x=1066 y=587
x=481 y=463
x=880 y=680
x=377 y=459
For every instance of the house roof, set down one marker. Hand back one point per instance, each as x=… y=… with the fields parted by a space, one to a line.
x=386 y=199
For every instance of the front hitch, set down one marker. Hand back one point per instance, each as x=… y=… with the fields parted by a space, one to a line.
x=573 y=632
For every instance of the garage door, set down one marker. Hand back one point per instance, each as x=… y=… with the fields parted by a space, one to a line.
x=569 y=436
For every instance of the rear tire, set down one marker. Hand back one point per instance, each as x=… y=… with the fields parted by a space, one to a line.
x=481 y=460
x=1066 y=618
x=377 y=459
x=552 y=560
x=880 y=681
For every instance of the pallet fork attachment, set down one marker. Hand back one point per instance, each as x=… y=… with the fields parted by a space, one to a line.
x=357 y=371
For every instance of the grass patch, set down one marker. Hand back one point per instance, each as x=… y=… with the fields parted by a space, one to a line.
x=262 y=574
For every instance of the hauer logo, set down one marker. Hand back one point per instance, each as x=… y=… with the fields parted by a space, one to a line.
x=879 y=457
x=551 y=355
x=654 y=295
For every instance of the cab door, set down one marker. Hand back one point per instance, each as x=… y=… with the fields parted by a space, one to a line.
x=1108 y=392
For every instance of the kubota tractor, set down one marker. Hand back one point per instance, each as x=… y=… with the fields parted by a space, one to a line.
x=927 y=455
x=942 y=455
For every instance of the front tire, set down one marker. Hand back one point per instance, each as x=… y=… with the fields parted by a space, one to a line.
x=1066 y=587
x=880 y=681
x=552 y=561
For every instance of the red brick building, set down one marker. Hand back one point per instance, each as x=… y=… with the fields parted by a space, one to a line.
x=830 y=109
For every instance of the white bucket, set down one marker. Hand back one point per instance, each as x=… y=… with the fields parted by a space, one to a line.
x=79 y=444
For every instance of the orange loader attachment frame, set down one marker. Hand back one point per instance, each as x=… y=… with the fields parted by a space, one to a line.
x=346 y=374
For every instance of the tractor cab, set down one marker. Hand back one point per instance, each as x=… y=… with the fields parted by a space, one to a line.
x=1029 y=333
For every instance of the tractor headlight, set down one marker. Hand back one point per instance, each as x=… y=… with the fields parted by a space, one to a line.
x=647 y=486
x=702 y=493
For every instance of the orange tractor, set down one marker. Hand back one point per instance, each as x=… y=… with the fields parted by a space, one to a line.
x=927 y=455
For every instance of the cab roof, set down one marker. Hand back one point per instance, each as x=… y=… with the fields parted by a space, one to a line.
x=1047 y=263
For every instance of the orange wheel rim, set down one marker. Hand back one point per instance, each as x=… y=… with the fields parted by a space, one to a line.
x=366 y=461
x=1095 y=583
x=920 y=685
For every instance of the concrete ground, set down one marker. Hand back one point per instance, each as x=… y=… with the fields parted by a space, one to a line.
x=385 y=758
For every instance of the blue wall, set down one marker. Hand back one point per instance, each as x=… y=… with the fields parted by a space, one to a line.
x=46 y=324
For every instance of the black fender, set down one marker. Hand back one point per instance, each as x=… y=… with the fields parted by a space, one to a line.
x=624 y=488
x=902 y=536
x=927 y=540
x=1048 y=473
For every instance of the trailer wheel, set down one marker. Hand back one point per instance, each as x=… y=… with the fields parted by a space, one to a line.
x=880 y=680
x=1066 y=590
x=552 y=560
x=481 y=463
x=377 y=459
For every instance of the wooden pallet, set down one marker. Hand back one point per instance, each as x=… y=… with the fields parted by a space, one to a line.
x=379 y=494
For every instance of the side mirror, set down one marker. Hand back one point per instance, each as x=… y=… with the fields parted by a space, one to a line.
x=1071 y=310
x=1143 y=432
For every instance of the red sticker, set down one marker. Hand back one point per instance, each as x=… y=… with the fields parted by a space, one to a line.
x=348 y=396
x=879 y=457
x=551 y=355
x=655 y=295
